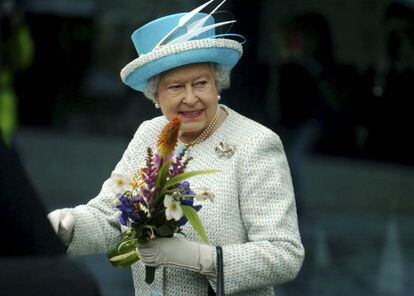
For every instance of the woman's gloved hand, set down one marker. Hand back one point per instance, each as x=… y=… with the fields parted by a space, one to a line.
x=178 y=252
x=62 y=222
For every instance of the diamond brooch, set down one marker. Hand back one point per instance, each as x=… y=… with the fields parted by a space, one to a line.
x=225 y=149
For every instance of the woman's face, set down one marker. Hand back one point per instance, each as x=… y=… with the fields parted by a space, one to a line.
x=191 y=92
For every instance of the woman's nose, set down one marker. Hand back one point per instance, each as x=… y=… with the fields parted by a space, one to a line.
x=190 y=97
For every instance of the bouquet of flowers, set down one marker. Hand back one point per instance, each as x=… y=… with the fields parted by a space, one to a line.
x=157 y=201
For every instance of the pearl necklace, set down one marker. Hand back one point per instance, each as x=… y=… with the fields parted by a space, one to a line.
x=206 y=132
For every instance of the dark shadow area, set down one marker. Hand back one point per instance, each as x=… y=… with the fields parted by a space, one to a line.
x=30 y=246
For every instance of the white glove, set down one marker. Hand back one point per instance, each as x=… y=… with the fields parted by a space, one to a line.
x=178 y=252
x=62 y=222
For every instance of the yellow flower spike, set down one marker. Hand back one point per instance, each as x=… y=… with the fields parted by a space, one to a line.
x=116 y=202
x=168 y=137
x=140 y=179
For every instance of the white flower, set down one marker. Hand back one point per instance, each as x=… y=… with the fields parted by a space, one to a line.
x=204 y=194
x=173 y=208
x=122 y=183
x=116 y=201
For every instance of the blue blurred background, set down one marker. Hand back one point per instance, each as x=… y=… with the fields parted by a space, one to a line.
x=333 y=78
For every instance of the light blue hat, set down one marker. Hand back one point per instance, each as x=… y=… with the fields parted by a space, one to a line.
x=178 y=40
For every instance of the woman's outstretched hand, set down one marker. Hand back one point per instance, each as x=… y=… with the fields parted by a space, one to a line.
x=62 y=222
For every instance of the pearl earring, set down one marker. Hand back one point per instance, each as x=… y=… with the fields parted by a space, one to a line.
x=157 y=105
x=219 y=97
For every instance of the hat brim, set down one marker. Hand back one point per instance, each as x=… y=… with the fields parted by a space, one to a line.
x=224 y=52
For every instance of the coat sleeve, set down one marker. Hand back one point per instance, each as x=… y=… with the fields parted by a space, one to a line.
x=273 y=253
x=97 y=228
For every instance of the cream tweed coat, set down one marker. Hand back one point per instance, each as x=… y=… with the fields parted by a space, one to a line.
x=253 y=216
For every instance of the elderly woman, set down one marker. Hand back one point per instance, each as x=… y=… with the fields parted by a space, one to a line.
x=182 y=67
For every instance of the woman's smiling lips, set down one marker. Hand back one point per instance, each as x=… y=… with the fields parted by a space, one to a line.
x=191 y=114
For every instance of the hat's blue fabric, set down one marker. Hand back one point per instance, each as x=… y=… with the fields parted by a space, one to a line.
x=148 y=36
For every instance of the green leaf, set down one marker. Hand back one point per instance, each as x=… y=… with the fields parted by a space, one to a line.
x=164 y=231
x=195 y=221
x=138 y=230
x=127 y=245
x=162 y=177
x=124 y=260
x=181 y=177
x=124 y=254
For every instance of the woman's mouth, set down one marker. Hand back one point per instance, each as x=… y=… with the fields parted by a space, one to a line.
x=191 y=115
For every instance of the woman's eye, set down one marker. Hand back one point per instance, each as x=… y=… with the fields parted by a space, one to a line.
x=201 y=83
x=174 y=87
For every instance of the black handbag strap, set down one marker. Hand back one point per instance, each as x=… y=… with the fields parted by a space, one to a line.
x=220 y=273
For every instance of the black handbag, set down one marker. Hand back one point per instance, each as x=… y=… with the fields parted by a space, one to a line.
x=220 y=275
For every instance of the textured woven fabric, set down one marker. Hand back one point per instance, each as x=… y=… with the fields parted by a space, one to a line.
x=253 y=217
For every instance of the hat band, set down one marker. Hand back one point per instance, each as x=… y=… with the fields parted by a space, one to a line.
x=168 y=50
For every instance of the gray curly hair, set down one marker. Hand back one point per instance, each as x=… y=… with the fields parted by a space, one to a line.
x=221 y=75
